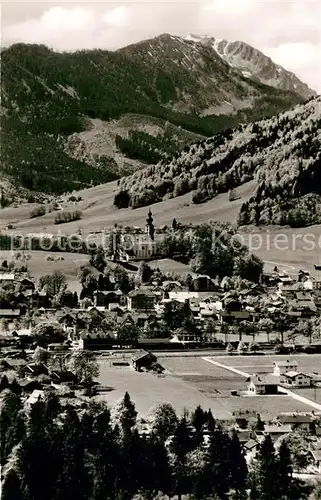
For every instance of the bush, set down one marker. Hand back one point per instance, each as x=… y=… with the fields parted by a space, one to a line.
x=65 y=216
x=37 y=211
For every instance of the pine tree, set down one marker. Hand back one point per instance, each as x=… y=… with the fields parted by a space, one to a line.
x=124 y=413
x=284 y=471
x=11 y=487
x=180 y=446
x=264 y=472
x=217 y=468
x=11 y=423
x=238 y=466
x=73 y=480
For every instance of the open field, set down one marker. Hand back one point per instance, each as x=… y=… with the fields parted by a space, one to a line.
x=263 y=364
x=147 y=389
x=98 y=212
x=38 y=265
x=188 y=382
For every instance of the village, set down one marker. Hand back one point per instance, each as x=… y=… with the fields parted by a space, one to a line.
x=249 y=352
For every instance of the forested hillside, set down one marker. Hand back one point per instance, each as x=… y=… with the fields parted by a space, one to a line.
x=46 y=97
x=281 y=153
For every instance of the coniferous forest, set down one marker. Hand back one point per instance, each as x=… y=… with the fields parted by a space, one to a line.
x=55 y=452
x=47 y=96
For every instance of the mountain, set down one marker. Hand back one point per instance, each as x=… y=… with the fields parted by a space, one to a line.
x=254 y=64
x=281 y=154
x=61 y=110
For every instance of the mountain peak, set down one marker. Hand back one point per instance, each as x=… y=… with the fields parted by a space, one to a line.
x=254 y=64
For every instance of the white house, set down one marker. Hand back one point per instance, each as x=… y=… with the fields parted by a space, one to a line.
x=281 y=367
x=297 y=379
x=263 y=385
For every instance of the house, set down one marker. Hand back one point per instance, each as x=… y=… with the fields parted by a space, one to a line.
x=281 y=367
x=316 y=455
x=143 y=359
x=296 y=420
x=251 y=446
x=297 y=379
x=28 y=385
x=244 y=435
x=95 y=342
x=182 y=296
x=7 y=277
x=107 y=297
x=141 y=299
x=263 y=385
x=275 y=431
x=36 y=395
x=230 y=317
x=242 y=417
x=9 y=313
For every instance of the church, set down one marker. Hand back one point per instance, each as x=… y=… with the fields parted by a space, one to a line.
x=141 y=246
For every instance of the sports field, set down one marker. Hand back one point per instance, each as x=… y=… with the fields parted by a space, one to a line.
x=190 y=381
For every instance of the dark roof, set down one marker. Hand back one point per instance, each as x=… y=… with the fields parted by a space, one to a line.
x=154 y=341
x=295 y=418
x=142 y=291
x=142 y=355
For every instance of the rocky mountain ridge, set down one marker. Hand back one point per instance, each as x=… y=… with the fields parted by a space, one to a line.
x=47 y=97
x=254 y=64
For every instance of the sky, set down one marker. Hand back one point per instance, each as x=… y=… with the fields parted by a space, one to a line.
x=289 y=31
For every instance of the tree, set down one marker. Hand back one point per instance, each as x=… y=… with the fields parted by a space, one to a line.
x=180 y=446
x=53 y=283
x=281 y=322
x=11 y=486
x=242 y=348
x=97 y=259
x=84 y=365
x=128 y=333
x=144 y=272
x=229 y=348
x=238 y=466
x=284 y=471
x=122 y=279
x=11 y=423
x=217 y=466
x=40 y=356
x=264 y=472
x=198 y=419
x=124 y=413
x=65 y=298
x=163 y=421
x=232 y=195
x=265 y=325
x=46 y=333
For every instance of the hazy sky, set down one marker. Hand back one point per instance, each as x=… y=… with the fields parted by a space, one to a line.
x=289 y=31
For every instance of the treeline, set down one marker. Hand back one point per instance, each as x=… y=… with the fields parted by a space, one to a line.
x=281 y=154
x=212 y=250
x=145 y=147
x=58 y=452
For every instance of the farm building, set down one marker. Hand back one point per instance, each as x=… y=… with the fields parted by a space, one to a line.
x=296 y=421
x=297 y=379
x=277 y=430
x=263 y=384
x=143 y=359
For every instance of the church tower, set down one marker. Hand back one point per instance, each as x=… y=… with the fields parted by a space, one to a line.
x=150 y=229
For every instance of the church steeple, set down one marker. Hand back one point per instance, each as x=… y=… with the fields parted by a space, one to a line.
x=150 y=225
